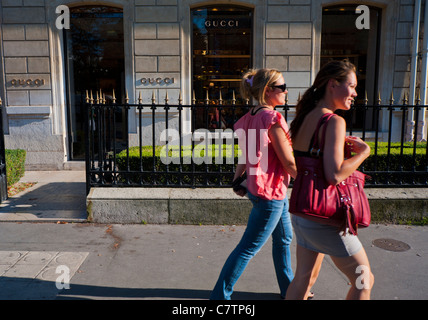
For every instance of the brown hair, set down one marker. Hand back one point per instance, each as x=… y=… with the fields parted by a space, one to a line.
x=254 y=83
x=338 y=70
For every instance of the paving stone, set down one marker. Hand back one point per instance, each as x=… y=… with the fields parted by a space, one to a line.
x=33 y=274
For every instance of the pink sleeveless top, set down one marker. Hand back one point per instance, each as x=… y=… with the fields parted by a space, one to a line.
x=266 y=178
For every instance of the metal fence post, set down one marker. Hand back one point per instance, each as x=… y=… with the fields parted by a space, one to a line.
x=3 y=174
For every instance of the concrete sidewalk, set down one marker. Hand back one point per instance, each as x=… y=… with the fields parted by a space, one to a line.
x=61 y=196
x=120 y=261
x=157 y=262
x=57 y=196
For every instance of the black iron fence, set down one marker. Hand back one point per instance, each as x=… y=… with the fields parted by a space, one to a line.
x=195 y=146
x=3 y=175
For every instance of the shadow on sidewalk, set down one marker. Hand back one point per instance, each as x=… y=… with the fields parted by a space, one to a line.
x=33 y=289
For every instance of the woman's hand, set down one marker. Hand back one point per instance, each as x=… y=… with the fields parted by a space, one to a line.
x=240 y=169
x=336 y=167
x=356 y=145
x=241 y=192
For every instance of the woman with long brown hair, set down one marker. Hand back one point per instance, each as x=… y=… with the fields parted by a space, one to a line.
x=333 y=89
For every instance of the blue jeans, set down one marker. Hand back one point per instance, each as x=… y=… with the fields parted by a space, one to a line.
x=268 y=217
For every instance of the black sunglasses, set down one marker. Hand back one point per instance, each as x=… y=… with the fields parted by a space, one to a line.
x=283 y=87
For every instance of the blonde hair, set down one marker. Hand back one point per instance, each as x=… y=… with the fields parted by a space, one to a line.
x=255 y=82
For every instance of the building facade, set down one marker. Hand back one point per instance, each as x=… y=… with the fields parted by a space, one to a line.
x=55 y=51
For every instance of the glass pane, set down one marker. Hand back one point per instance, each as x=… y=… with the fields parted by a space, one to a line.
x=222 y=46
x=221 y=50
x=95 y=60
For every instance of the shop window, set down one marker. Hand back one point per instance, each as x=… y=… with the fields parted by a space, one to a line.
x=94 y=47
x=221 y=53
x=341 y=39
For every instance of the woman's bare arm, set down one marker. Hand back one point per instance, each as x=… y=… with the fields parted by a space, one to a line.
x=336 y=168
x=283 y=149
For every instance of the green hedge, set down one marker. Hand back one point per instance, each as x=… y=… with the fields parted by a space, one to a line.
x=393 y=163
x=380 y=162
x=15 y=165
x=395 y=158
x=174 y=176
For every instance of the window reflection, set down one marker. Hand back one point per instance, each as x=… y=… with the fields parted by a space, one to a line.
x=222 y=45
x=95 y=60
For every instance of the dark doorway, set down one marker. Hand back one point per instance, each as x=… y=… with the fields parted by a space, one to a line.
x=341 y=39
x=94 y=47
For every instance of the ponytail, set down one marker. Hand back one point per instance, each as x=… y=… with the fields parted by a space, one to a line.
x=255 y=82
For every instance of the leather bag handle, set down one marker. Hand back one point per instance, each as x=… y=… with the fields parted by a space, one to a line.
x=316 y=148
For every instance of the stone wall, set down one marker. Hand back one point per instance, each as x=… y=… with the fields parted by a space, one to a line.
x=158 y=45
x=28 y=83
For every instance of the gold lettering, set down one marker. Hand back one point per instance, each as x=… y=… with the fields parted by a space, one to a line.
x=27 y=82
x=153 y=81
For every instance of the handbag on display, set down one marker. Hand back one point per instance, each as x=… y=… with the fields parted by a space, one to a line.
x=344 y=205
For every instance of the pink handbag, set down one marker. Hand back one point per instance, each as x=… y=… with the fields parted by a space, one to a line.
x=344 y=205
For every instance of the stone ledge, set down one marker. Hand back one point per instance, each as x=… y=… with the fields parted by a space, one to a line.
x=27 y=111
x=222 y=206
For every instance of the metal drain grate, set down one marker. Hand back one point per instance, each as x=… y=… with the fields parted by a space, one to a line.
x=391 y=245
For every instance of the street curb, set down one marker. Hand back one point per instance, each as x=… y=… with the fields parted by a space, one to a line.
x=210 y=206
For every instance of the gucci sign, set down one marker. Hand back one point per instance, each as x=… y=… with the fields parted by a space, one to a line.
x=28 y=82
x=159 y=81
x=225 y=23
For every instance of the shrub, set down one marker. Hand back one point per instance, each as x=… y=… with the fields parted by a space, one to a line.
x=15 y=165
x=186 y=173
x=396 y=167
x=393 y=167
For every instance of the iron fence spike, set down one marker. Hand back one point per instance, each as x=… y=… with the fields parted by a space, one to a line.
x=207 y=100
x=153 y=97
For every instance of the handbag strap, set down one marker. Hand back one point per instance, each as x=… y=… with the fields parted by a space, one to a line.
x=316 y=147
